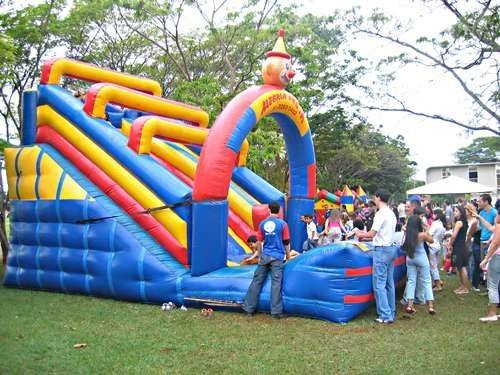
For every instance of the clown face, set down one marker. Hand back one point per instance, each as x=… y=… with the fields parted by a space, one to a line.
x=277 y=71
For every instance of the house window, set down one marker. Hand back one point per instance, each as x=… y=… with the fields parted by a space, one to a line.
x=473 y=174
x=445 y=172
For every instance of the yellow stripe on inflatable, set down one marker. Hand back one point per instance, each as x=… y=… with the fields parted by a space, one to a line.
x=48 y=179
x=239 y=241
x=10 y=169
x=280 y=101
x=146 y=103
x=165 y=152
x=71 y=190
x=26 y=165
x=146 y=198
x=77 y=69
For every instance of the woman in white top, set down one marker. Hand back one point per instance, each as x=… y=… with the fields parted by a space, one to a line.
x=437 y=231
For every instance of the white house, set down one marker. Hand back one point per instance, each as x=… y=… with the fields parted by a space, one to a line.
x=484 y=173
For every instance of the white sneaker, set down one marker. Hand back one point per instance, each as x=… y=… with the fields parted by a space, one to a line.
x=473 y=289
x=488 y=319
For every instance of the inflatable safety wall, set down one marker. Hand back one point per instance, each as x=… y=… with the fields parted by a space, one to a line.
x=127 y=195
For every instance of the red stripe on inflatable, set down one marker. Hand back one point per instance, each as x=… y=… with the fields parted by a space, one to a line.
x=236 y=223
x=361 y=271
x=311 y=180
x=47 y=135
x=46 y=68
x=88 y=106
x=400 y=260
x=363 y=298
x=134 y=138
x=323 y=194
x=216 y=164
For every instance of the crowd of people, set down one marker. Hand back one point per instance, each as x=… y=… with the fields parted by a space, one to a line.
x=461 y=238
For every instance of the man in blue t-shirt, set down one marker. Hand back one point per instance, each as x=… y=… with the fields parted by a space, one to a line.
x=488 y=213
x=274 y=245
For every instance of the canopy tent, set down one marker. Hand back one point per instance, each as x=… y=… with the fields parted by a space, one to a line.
x=451 y=185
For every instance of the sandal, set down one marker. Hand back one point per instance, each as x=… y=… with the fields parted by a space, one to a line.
x=410 y=309
x=432 y=311
x=460 y=291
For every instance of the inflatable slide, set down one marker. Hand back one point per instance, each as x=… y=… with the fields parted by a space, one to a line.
x=131 y=196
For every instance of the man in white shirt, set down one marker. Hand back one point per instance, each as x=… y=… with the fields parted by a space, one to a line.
x=383 y=232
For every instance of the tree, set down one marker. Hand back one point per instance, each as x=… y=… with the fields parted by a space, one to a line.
x=30 y=33
x=356 y=153
x=468 y=52
x=481 y=150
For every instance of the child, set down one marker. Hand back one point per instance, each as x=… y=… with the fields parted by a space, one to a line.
x=333 y=228
x=357 y=226
x=254 y=245
x=447 y=264
x=312 y=233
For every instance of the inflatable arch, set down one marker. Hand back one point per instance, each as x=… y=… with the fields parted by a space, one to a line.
x=219 y=155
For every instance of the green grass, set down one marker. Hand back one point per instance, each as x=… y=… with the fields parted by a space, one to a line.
x=38 y=331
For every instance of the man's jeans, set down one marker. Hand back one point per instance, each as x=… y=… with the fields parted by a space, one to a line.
x=476 y=260
x=266 y=264
x=383 y=281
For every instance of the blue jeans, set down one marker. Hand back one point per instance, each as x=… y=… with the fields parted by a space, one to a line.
x=309 y=244
x=383 y=281
x=494 y=279
x=266 y=264
x=434 y=261
x=476 y=260
x=417 y=268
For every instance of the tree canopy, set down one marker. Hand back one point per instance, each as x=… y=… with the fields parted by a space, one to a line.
x=467 y=52
x=481 y=150
x=208 y=65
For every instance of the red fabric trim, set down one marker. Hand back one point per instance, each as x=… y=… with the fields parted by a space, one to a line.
x=363 y=298
x=286 y=232
x=311 y=180
x=216 y=164
x=46 y=68
x=47 y=135
x=278 y=54
x=236 y=223
x=400 y=260
x=361 y=271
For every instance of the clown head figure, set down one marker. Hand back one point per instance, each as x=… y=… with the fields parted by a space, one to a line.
x=277 y=68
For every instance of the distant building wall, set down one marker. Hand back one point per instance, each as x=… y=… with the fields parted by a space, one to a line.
x=486 y=174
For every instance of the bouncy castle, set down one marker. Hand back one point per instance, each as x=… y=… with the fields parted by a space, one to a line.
x=124 y=194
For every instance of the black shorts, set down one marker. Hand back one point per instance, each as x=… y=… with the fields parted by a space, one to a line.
x=460 y=257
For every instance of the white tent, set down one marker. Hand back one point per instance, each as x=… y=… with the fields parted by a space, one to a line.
x=451 y=185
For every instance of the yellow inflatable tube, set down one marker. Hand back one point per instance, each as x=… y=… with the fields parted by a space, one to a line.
x=188 y=167
x=99 y=95
x=147 y=199
x=53 y=70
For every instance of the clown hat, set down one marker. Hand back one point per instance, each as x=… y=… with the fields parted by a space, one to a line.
x=279 y=49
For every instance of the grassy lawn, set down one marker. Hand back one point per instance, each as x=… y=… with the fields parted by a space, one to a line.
x=39 y=329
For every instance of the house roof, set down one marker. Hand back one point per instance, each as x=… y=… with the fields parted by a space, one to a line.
x=461 y=165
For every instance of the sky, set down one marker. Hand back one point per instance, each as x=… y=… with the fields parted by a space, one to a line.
x=430 y=90
x=431 y=142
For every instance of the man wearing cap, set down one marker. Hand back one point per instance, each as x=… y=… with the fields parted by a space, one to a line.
x=383 y=231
